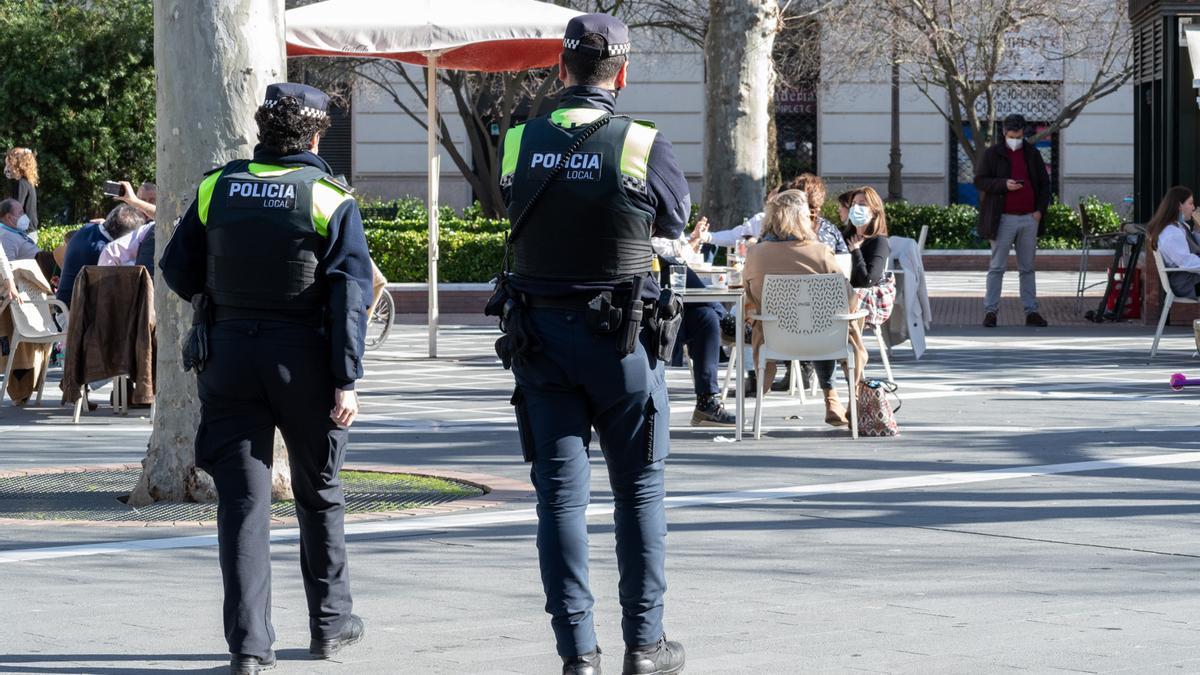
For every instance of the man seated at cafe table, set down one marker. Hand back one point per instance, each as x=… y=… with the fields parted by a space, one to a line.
x=701 y=330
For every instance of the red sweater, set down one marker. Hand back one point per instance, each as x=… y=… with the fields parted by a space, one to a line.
x=1019 y=202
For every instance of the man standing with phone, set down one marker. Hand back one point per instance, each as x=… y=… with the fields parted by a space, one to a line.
x=1014 y=193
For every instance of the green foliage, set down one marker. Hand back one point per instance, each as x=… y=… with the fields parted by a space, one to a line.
x=51 y=237
x=472 y=246
x=78 y=83
x=403 y=255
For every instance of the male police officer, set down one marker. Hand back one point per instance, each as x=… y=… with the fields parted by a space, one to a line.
x=273 y=254
x=581 y=273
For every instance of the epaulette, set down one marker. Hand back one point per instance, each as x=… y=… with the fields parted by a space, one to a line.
x=646 y=123
x=339 y=182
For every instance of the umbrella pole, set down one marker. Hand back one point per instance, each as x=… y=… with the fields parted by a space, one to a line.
x=435 y=174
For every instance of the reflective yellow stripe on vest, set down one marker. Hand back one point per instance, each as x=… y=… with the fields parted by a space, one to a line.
x=570 y=118
x=635 y=155
x=326 y=198
x=512 y=150
x=204 y=196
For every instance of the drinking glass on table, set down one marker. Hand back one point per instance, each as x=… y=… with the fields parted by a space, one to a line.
x=678 y=277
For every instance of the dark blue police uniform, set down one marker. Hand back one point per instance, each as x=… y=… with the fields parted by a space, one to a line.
x=277 y=248
x=589 y=234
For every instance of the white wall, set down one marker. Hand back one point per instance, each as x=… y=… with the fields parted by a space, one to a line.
x=665 y=86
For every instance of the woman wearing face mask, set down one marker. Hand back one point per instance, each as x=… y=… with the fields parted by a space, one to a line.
x=1169 y=232
x=21 y=170
x=867 y=238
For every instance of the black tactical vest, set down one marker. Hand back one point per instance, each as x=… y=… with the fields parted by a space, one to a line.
x=586 y=227
x=263 y=247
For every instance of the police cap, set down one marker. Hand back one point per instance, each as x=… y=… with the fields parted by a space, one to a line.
x=614 y=32
x=313 y=101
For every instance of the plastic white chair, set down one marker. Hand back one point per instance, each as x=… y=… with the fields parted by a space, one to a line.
x=1170 y=296
x=805 y=318
x=33 y=322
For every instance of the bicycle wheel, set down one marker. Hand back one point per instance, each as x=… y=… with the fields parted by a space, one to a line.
x=380 y=322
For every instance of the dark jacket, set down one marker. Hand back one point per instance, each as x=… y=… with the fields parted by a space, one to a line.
x=24 y=192
x=346 y=266
x=991 y=179
x=84 y=249
x=111 y=331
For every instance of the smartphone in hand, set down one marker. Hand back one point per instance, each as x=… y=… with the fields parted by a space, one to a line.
x=113 y=189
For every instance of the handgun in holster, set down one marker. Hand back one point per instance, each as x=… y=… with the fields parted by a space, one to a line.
x=195 y=343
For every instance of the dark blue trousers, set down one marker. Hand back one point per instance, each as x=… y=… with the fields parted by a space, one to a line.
x=701 y=332
x=576 y=383
x=262 y=375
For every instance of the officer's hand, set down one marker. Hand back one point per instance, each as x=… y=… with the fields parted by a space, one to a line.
x=345 y=408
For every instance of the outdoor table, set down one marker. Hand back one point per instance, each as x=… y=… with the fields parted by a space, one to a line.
x=737 y=297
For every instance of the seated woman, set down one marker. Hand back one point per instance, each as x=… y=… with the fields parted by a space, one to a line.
x=1171 y=235
x=790 y=246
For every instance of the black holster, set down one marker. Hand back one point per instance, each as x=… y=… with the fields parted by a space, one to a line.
x=665 y=324
x=195 y=343
x=519 y=338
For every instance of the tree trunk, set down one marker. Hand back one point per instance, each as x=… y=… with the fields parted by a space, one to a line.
x=214 y=61
x=737 y=57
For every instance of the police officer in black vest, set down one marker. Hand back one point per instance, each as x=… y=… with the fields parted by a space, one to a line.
x=585 y=191
x=273 y=257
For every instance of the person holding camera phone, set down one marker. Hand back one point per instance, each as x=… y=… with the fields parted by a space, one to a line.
x=1014 y=193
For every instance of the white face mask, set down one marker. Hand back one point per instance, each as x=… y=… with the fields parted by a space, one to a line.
x=23 y=223
x=1014 y=144
x=860 y=215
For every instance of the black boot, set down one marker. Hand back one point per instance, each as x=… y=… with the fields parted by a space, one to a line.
x=710 y=413
x=323 y=648
x=244 y=664
x=584 y=664
x=664 y=657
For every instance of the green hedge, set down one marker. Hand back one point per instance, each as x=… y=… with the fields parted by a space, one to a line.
x=472 y=246
x=953 y=227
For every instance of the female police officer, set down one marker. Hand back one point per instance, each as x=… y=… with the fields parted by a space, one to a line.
x=273 y=254
x=581 y=238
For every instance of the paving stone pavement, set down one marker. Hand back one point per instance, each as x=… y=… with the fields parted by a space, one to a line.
x=964 y=546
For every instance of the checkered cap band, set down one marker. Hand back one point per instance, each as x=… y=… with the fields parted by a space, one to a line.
x=611 y=50
x=304 y=110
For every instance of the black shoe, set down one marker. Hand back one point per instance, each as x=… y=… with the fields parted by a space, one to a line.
x=989 y=320
x=784 y=383
x=323 y=648
x=710 y=413
x=584 y=664
x=661 y=658
x=244 y=664
x=1036 y=320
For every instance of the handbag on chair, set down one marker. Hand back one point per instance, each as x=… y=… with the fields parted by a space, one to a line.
x=876 y=416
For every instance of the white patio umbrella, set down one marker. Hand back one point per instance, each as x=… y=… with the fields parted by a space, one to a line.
x=481 y=35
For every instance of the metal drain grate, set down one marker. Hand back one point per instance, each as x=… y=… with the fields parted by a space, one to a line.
x=93 y=495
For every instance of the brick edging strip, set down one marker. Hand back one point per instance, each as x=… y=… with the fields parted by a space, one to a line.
x=497 y=491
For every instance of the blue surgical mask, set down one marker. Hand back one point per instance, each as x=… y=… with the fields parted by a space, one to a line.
x=23 y=223
x=860 y=215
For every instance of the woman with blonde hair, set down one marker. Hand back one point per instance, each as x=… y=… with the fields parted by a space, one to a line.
x=789 y=245
x=21 y=170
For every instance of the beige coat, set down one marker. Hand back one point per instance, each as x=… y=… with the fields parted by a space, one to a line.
x=794 y=257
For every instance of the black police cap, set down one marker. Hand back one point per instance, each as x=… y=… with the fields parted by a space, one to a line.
x=313 y=101
x=613 y=31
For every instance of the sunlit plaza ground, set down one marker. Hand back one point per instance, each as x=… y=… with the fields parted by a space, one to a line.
x=1037 y=514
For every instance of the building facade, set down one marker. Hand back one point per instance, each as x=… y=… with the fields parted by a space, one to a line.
x=840 y=129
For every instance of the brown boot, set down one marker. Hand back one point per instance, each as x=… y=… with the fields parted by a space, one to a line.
x=835 y=414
